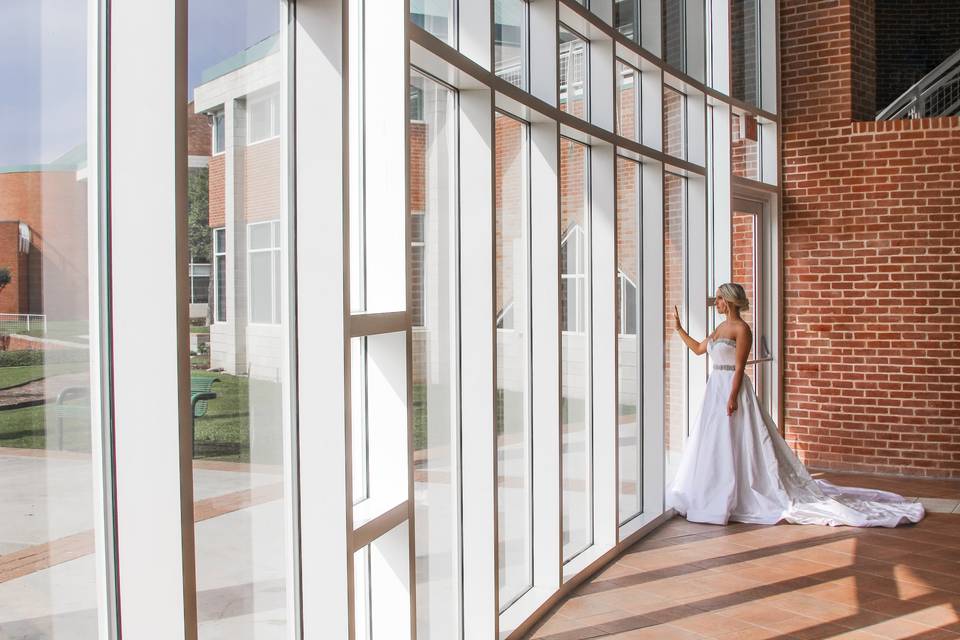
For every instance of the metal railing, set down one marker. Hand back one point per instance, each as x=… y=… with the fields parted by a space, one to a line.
x=22 y=322
x=937 y=94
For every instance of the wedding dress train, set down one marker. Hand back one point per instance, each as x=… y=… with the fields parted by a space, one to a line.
x=739 y=468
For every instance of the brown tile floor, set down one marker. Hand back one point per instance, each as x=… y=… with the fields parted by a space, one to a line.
x=787 y=582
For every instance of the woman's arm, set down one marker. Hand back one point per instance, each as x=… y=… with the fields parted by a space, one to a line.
x=744 y=340
x=698 y=348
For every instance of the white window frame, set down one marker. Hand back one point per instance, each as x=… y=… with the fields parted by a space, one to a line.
x=219 y=116
x=272 y=98
x=276 y=253
x=580 y=276
x=218 y=305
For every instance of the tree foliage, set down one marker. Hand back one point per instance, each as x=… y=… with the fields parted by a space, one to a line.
x=198 y=215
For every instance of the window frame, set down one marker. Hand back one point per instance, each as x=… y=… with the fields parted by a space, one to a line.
x=272 y=98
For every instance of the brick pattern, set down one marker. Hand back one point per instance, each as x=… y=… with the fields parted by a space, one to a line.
x=872 y=264
x=199 y=133
x=217 y=215
x=742 y=237
x=674 y=120
x=744 y=156
x=743 y=48
x=912 y=38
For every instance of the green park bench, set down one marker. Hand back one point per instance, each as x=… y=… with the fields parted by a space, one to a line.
x=74 y=402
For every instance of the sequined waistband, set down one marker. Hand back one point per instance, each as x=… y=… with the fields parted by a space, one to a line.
x=724 y=367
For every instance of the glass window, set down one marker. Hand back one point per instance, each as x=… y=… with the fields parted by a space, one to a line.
x=433 y=208
x=435 y=16
x=48 y=584
x=675 y=33
x=745 y=50
x=629 y=338
x=744 y=146
x=263 y=118
x=674 y=123
x=220 y=274
x=219 y=132
x=675 y=294
x=575 y=376
x=514 y=446
x=628 y=101
x=240 y=426
x=510 y=40
x=199 y=283
x=625 y=14
x=574 y=73
x=264 y=271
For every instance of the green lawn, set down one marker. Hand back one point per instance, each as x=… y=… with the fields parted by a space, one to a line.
x=222 y=434
x=62 y=330
x=13 y=376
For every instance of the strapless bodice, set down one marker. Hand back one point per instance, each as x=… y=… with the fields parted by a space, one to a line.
x=723 y=353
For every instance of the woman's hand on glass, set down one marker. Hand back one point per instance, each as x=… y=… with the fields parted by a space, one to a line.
x=676 y=319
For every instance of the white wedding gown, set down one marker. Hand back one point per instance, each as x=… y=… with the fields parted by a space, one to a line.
x=739 y=468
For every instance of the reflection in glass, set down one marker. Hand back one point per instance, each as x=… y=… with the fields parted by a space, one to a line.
x=574 y=74
x=361 y=594
x=675 y=294
x=675 y=33
x=744 y=146
x=674 y=123
x=514 y=454
x=745 y=50
x=48 y=586
x=628 y=101
x=625 y=17
x=238 y=373
x=436 y=17
x=629 y=338
x=358 y=420
x=743 y=244
x=433 y=198
x=510 y=41
x=575 y=412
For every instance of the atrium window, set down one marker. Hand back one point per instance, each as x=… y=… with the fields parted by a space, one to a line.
x=574 y=73
x=510 y=41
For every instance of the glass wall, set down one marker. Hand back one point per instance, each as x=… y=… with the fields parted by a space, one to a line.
x=675 y=296
x=397 y=401
x=238 y=373
x=513 y=412
x=745 y=49
x=433 y=222
x=629 y=245
x=574 y=73
x=48 y=440
x=510 y=41
x=575 y=324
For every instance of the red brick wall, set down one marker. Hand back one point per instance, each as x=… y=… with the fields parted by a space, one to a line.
x=53 y=278
x=216 y=185
x=260 y=175
x=199 y=133
x=872 y=264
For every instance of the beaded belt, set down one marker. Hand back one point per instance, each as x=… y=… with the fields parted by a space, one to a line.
x=725 y=367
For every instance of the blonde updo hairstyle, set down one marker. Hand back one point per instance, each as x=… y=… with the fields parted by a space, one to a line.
x=734 y=294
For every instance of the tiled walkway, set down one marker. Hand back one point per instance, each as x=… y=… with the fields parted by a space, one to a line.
x=786 y=582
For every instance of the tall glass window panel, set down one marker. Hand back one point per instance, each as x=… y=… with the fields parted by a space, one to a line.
x=674 y=123
x=675 y=295
x=433 y=208
x=46 y=433
x=510 y=41
x=629 y=338
x=574 y=73
x=238 y=375
x=675 y=34
x=628 y=101
x=575 y=377
x=745 y=146
x=626 y=17
x=438 y=17
x=357 y=164
x=745 y=50
x=514 y=446
x=743 y=243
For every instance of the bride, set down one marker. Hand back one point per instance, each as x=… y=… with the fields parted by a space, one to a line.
x=736 y=466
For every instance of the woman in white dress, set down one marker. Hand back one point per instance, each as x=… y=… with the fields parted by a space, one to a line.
x=736 y=466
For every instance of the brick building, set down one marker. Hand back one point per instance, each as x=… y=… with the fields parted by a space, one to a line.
x=872 y=247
